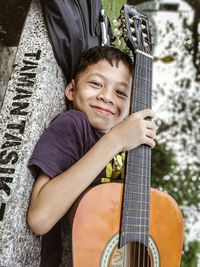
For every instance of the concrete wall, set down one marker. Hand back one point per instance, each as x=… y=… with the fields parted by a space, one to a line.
x=34 y=95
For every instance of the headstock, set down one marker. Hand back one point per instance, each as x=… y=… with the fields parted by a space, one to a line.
x=135 y=29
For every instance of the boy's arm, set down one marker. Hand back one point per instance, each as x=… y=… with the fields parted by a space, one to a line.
x=51 y=198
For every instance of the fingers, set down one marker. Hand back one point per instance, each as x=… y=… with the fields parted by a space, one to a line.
x=151 y=125
x=150 y=142
x=145 y=113
x=151 y=134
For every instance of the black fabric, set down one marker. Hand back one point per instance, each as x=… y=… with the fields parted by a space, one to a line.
x=73 y=27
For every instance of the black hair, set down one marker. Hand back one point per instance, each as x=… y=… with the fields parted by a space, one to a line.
x=111 y=54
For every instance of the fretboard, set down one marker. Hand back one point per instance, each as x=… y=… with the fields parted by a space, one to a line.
x=135 y=212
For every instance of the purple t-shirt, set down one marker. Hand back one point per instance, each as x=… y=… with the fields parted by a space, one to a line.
x=63 y=143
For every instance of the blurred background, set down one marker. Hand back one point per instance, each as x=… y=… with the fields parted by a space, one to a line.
x=176 y=98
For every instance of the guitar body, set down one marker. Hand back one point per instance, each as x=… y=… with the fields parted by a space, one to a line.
x=97 y=222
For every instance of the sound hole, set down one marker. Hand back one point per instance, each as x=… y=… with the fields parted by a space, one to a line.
x=131 y=255
x=140 y=255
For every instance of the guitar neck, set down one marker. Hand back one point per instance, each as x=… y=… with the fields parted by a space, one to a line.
x=135 y=212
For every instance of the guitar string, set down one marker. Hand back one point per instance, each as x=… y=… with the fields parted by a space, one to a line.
x=143 y=150
x=145 y=175
x=139 y=251
x=141 y=229
x=138 y=103
x=147 y=170
x=149 y=150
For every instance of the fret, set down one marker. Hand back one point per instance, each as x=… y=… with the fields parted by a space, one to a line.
x=139 y=215
x=136 y=161
x=145 y=70
x=139 y=102
x=137 y=225
x=132 y=222
x=140 y=179
x=140 y=107
x=137 y=165
x=137 y=168
x=138 y=218
x=132 y=154
x=138 y=174
x=135 y=200
x=135 y=233
x=136 y=193
x=137 y=184
x=141 y=78
x=144 y=66
x=131 y=201
x=133 y=219
x=143 y=75
x=144 y=92
x=136 y=210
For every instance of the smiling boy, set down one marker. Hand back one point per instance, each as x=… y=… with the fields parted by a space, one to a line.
x=72 y=153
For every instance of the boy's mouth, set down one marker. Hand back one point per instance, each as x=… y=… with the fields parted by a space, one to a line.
x=102 y=110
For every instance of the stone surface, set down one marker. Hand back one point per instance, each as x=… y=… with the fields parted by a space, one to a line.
x=34 y=95
x=7 y=56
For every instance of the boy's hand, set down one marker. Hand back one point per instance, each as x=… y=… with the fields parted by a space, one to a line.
x=135 y=130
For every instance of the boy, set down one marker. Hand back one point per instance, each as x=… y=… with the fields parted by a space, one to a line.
x=78 y=144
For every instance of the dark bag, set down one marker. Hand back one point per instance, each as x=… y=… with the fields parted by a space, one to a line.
x=73 y=27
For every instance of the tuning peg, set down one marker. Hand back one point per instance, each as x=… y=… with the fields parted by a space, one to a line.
x=117 y=32
x=143 y=26
x=125 y=30
x=131 y=21
x=117 y=23
x=132 y=30
x=144 y=35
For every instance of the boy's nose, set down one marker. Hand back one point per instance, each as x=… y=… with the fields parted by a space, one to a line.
x=106 y=96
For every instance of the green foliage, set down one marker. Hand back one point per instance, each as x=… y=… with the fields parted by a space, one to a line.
x=182 y=185
x=112 y=8
x=163 y=163
x=189 y=257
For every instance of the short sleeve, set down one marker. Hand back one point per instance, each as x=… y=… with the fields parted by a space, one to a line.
x=61 y=145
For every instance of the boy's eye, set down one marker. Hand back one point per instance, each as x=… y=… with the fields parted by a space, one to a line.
x=96 y=84
x=121 y=93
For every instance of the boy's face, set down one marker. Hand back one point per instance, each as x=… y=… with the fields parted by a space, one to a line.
x=102 y=92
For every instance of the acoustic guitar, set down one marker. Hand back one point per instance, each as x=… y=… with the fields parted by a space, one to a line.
x=130 y=224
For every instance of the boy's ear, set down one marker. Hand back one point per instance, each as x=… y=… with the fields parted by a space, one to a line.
x=69 y=90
